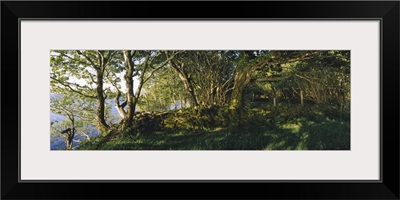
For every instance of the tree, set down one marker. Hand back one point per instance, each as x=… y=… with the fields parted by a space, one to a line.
x=205 y=75
x=180 y=66
x=77 y=112
x=324 y=78
x=82 y=73
x=143 y=65
x=252 y=61
x=163 y=91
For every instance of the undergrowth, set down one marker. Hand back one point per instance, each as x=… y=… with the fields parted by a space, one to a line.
x=266 y=128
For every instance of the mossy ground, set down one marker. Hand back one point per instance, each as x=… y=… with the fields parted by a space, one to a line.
x=268 y=128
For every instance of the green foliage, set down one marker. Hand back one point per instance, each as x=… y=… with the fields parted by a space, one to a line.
x=206 y=99
x=163 y=91
x=198 y=119
x=270 y=128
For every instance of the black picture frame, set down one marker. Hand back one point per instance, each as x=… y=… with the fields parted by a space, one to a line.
x=386 y=11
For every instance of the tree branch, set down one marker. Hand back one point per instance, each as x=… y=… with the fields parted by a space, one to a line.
x=159 y=66
x=302 y=77
x=271 y=79
x=72 y=89
x=88 y=59
x=120 y=107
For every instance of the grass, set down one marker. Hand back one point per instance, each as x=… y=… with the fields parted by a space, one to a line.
x=268 y=131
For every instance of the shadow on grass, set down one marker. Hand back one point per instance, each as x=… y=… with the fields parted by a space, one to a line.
x=329 y=135
x=300 y=134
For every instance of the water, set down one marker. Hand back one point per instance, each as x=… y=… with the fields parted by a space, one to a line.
x=58 y=142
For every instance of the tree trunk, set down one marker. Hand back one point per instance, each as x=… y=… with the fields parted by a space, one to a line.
x=236 y=105
x=242 y=78
x=147 y=104
x=130 y=98
x=186 y=83
x=101 y=122
x=181 y=101
x=69 y=143
x=121 y=111
x=70 y=138
x=301 y=97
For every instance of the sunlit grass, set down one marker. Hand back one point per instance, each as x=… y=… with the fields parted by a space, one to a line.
x=293 y=131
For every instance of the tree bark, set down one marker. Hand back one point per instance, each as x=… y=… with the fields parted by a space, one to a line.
x=130 y=98
x=70 y=134
x=301 y=97
x=120 y=107
x=69 y=143
x=242 y=78
x=236 y=105
x=101 y=122
x=147 y=103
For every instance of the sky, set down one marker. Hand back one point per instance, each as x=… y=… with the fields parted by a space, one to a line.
x=107 y=85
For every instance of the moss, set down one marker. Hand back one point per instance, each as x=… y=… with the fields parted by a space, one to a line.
x=267 y=128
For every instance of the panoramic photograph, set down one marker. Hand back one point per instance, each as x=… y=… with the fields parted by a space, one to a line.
x=199 y=100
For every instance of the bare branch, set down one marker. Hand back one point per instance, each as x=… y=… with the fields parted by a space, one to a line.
x=302 y=77
x=84 y=134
